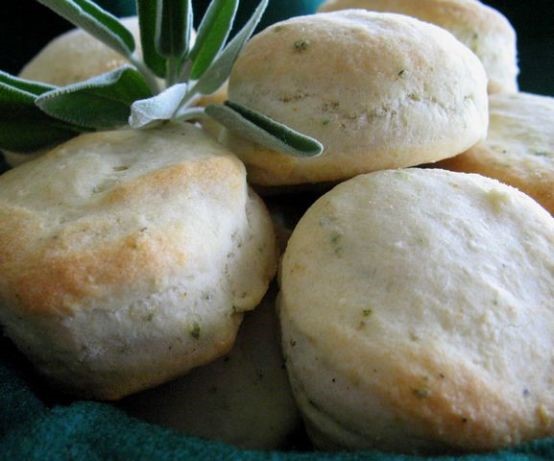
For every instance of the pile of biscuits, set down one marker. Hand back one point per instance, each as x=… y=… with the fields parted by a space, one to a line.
x=415 y=310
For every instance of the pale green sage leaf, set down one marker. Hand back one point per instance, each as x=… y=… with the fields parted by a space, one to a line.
x=174 y=28
x=147 y=14
x=27 y=86
x=212 y=34
x=148 y=112
x=103 y=102
x=89 y=16
x=24 y=127
x=220 y=69
x=263 y=130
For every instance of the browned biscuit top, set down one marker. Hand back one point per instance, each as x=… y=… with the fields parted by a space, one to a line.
x=92 y=218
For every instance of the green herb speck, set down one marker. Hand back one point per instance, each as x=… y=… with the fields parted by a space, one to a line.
x=367 y=312
x=421 y=392
x=335 y=240
x=301 y=45
x=195 y=330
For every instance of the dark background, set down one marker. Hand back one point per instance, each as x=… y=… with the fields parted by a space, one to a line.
x=26 y=26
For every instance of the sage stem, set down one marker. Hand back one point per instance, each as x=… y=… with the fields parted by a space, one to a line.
x=148 y=75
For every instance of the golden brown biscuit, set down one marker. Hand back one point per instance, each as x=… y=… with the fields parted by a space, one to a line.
x=378 y=90
x=129 y=256
x=519 y=149
x=417 y=310
x=484 y=30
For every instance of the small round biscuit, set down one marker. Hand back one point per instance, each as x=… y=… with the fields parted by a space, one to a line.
x=243 y=399
x=378 y=90
x=519 y=149
x=484 y=30
x=129 y=256
x=417 y=310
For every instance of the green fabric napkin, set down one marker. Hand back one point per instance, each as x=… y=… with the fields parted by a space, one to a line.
x=31 y=430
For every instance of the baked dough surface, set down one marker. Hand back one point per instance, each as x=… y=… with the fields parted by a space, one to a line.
x=519 y=149
x=484 y=30
x=417 y=309
x=129 y=256
x=243 y=399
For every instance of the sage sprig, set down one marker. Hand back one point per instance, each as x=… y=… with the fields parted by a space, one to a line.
x=163 y=85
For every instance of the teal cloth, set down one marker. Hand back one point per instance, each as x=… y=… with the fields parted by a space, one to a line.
x=30 y=430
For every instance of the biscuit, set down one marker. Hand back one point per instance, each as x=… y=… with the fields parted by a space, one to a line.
x=519 y=149
x=484 y=30
x=417 y=310
x=378 y=90
x=243 y=399
x=129 y=256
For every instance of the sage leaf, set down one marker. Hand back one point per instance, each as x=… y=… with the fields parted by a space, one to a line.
x=212 y=34
x=27 y=86
x=147 y=14
x=174 y=28
x=220 y=69
x=28 y=132
x=24 y=127
x=148 y=112
x=190 y=113
x=263 y=130
x=89 y=16
x=103 y=102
